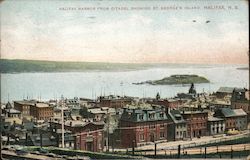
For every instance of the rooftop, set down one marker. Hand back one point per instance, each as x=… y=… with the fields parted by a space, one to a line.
x=103 y=110
x=210 y=118
x=26 y=102
x=240 y=112
x=176 y=116
x=13 y=111
x=193 y=112
x=141 y=106
x=228 y=112
x=42 y=105
x=225 y=90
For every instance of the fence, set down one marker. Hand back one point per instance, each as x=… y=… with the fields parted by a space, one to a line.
x=210 y=142
x=227 y=146
x=238 y=150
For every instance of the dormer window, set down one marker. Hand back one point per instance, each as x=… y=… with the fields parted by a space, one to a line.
x=161 y=115
x=141 y=116
x=151 y=116
x=129 y=114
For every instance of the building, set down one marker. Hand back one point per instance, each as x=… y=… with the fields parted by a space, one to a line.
x=41 y=111
x=24 y=106
x=72 y=102
x=224 y=92
x=235 y=119
x=177 y=130
x=173 y=103
x=196 y=123
x=100 y=114
x=86 y=102
x=69 y=138
x=240 y=100
x=57 y=113
x=10 y=112
x=143 y=124
x=215 y=125
x=90 y=138
x=75 y=126
x=115 y=101
x=241 y=120
x=88 y=135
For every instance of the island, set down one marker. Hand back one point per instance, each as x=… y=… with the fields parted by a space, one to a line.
x=176 y=79
x=243 y=68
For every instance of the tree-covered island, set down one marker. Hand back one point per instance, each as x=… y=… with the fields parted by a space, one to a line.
x=176 y=79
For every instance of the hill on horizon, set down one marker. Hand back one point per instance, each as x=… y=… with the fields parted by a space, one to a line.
x=22 y=66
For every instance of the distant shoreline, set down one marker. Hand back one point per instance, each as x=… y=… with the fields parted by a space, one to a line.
x=37 y=66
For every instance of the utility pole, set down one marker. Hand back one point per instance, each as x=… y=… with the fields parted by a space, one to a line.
x=26 y=138
x=62 y=105
x=1 y=124
x=41 y=140
x=155 y=148
x=191 y=127
x=107 y=145
x=179 y=151
x=133 y=147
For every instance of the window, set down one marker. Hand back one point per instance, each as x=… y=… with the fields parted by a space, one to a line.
x=141 y=116
x=162 y=125
x=184 y=134
x=177 y=133
x=161 y=115
x=162 y=134
x=141 y=137
x=151 y=115
x=151 y=126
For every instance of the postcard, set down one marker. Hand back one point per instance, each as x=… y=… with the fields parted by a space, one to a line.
x=109 y=79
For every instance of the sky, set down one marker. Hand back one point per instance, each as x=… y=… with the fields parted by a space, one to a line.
x=117 y=31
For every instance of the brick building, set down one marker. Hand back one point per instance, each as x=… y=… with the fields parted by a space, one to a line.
x=173 y=103
x=88 y=135
x=115 y=101
x=196 y=123
x=24 y=106
x=41 y=111
x=142 y=125
x=90 y=138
